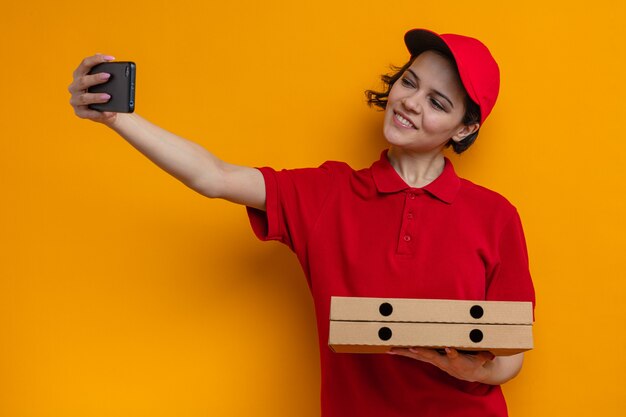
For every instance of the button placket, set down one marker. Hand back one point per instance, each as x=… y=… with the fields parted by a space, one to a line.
x=406 y=241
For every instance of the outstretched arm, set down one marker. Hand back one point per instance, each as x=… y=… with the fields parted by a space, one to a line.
x=192 y=164
x=187 y=161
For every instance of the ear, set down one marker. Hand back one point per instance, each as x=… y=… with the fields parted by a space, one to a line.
x=464 y=131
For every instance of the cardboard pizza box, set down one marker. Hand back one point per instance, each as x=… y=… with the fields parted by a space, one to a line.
x=379 y=337
x=375 y=325
x=430 y=310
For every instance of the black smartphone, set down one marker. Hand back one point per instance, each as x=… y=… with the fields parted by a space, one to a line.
x=120 y=86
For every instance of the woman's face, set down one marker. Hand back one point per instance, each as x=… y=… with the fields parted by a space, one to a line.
x=425 y=107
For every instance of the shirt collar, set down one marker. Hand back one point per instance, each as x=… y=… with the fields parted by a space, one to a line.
x=445 y=187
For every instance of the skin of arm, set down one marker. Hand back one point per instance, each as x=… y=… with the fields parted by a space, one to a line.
x=187 y=161
x=192 y=164
x=482 y=367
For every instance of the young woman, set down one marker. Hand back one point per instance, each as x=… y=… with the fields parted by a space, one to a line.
x=406 y=227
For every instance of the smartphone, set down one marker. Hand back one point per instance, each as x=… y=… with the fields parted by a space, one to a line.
x=120 y=86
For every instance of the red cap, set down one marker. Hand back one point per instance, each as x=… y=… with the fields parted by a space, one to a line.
x=478 y=70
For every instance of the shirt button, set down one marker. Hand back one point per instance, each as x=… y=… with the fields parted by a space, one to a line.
x=409 y=216
x=412 y=196
x=407 y=238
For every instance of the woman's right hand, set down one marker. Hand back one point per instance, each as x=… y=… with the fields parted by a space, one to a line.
x=80 y=98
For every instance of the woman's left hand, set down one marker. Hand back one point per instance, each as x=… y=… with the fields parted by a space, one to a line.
x=473 y=368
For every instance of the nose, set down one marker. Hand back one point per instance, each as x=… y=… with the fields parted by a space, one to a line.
x=412 y=102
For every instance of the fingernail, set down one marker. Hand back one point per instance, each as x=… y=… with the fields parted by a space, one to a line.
x=108 y=58
x=105 y=96
x=105 y=76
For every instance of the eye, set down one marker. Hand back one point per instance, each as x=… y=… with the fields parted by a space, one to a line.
x=436 y=104
x=406 y=82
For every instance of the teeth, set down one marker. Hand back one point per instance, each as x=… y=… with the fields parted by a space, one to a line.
x=404 y=121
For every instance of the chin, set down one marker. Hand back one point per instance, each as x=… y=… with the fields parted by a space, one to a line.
x=394 y=138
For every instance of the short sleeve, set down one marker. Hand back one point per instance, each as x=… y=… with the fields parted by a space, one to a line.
x=294 y=200
x=511 y=279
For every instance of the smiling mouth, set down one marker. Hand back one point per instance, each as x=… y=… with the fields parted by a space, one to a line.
x=403 y=121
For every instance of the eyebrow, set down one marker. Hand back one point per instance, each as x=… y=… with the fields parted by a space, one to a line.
x=439 y=93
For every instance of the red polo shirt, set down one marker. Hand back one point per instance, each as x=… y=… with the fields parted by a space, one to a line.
x=367 y=233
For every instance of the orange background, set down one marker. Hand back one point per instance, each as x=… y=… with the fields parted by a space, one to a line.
x=123 y=293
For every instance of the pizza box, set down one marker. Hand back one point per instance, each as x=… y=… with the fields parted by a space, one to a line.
x=430 y=310
x=375 y=325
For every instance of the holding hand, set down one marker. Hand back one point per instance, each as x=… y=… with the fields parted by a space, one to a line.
x=473 y=368
x=81 y=99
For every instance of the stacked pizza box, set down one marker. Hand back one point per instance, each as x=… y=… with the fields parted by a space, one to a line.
x=375 y=325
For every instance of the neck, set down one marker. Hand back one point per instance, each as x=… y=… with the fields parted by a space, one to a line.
x=417 y=170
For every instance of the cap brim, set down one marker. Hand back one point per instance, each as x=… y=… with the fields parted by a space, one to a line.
x=420 y=40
